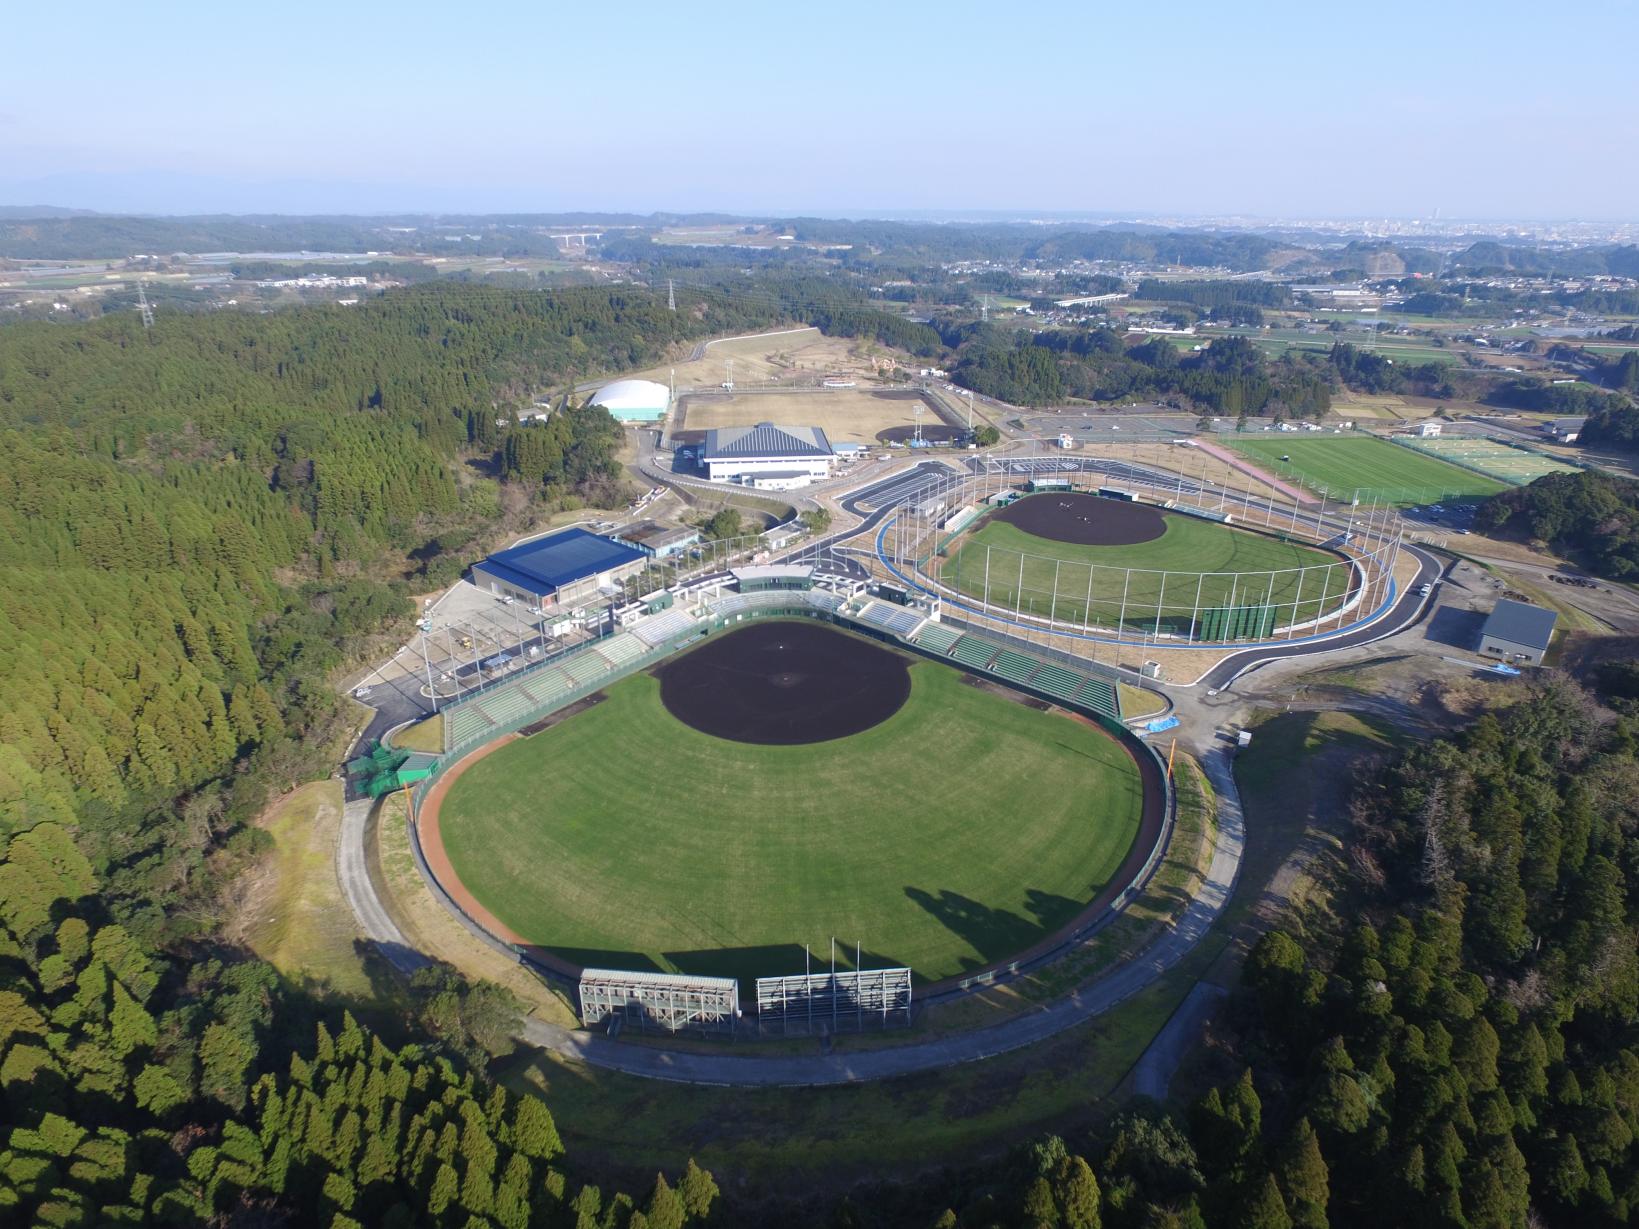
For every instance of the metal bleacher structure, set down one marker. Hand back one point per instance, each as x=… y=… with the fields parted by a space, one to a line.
x=1083 y=689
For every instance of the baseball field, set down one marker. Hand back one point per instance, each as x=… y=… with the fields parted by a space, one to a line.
x=956 y=831
x=1081 y=559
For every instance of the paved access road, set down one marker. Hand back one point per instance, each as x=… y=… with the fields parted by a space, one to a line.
x=1409 y=606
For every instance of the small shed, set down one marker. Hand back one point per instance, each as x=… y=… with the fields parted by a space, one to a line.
x=1517 y=632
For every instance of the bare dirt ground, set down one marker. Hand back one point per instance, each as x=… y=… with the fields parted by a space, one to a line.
x=791 y=357
x=852 y=415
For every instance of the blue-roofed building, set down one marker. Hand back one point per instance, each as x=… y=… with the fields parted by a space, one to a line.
x=563 y=569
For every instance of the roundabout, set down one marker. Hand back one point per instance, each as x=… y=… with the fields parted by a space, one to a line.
x=706 y=818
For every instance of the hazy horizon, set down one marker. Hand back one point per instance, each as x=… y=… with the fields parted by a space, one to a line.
x=1285 y=113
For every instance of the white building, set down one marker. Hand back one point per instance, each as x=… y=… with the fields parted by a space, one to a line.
x=1428 y=430
x=634 y=400
x=768 y=457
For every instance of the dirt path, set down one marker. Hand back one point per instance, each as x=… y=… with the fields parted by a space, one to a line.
x=1237 y=462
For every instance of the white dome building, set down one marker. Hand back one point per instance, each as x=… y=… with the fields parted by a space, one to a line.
x=634 y=400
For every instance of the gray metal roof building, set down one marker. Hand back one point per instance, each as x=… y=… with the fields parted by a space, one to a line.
x=1517 y=632
x=767 y=455
x=765 y=441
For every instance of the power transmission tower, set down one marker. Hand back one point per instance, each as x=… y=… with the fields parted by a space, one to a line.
x=671 y=296
x=984 y=307
x=145 y=307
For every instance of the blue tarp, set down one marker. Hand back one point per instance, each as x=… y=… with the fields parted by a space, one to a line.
x=1159 y=724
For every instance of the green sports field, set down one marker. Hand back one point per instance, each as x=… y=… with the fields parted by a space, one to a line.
x=1375 y=468
x=1243 y=567
x=955 y=833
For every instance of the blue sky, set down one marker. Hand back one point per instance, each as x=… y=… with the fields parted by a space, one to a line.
x=1274 y=109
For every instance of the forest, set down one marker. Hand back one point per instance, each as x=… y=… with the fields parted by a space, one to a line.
x=1230 y=378
x=1589 y=516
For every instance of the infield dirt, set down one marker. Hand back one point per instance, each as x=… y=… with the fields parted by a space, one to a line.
x=784 y=684
x=1085 y=520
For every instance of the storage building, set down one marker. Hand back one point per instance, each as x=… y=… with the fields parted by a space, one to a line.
x=1517 y=632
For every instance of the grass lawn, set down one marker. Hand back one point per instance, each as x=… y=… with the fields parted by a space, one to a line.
x=425 y=736
x=296 y=918
x=1370 y=466
x=1247 y=567
x=623 y=837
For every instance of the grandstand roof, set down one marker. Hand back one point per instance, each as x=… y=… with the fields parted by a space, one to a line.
x=548 y=564
x=765 y=441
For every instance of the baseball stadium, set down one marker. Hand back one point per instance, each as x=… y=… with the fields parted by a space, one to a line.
x=824 y=776
x=1072 y=555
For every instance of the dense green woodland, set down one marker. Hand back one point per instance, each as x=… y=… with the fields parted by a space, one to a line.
x=139 y=1089
x=1231 y=377
x=199 y=522
x=1590 y=516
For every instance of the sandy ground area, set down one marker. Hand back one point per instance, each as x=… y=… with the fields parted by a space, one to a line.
x=794 y=356
x=848 y=416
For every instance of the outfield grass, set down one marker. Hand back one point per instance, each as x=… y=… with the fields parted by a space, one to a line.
x=958 y=832
x=1243 y=568
x=1370 y=466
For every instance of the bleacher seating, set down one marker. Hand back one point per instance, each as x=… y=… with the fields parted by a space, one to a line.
x=1014 y=667
x=465 y=721
x=973 y=652
x=936 y=639
x=890 y=618
x=668 y=625
x=1100 y=694
x=1047 y=677
x=544 y=688
x=621 y=648
x=1057 y=681
x=584 y=668
x=506 y=703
